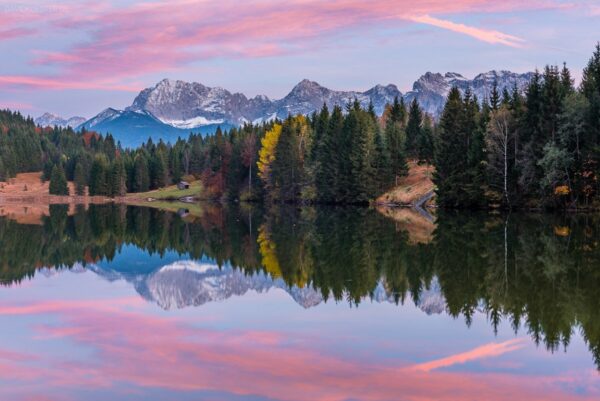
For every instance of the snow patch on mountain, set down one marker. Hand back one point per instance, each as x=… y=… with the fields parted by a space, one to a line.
x=192 y=122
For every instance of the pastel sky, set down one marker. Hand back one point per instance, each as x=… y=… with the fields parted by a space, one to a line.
x=76 y=57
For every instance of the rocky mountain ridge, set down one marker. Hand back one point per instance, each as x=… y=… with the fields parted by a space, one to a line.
x=174 y=108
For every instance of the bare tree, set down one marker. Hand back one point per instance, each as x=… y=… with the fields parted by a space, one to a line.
x=498 y=142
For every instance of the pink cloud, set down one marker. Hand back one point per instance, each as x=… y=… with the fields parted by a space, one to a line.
x=60 y=83
x=142 y=38
x=14 y=33
x=484 y=35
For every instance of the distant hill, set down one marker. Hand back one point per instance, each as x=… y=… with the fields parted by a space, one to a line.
x=133 y=128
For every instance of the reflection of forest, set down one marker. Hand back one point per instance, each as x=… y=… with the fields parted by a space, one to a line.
x=541 y=272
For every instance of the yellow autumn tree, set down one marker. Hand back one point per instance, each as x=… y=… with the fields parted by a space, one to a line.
x=266 y=155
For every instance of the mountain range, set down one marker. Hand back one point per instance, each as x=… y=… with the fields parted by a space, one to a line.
x=52 y=120
x=171 y=108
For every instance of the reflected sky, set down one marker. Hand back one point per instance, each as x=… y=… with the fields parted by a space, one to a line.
x=77 y=334
x=298 y=304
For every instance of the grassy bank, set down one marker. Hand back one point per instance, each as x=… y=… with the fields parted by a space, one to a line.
x=170 y=193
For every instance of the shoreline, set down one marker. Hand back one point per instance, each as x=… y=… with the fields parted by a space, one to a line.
x=132 y=199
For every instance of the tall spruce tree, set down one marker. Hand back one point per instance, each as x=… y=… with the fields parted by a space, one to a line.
x=58 y=181
x=451 y=147
x=141 y=177
x=395 y=138
x=118 y=178
x=361 y=130
x=474 y=135
x=99 y=183
x=425 y=143
x=495 y=96
x=413 y=129
x=329 y=159
x=590 y=87
x=532 y=138
x=80 y=178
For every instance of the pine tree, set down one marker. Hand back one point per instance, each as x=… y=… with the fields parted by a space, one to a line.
x=394 y=138
x=590 y=87
x=506 y=97
x=58 y=181
x=328 y=158
x=566 y=81
x=320 y=128
x=413 y=129
x=451 y=148
x=532 y=138
x=3 y=173
x=360 y=130
x=141 y=178
x=475 y=176
x=382 y=165
x=99 y=184
x=426 y=142
x=398 y=111
x=118 y=178
x=80 y=178
x=158 y=171
x=495 y=96
x=286 y=169
x=552 y=97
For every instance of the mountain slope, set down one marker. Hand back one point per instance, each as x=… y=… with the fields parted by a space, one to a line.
x=134 y=128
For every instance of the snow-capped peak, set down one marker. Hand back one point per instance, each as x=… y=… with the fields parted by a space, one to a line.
x=53 y=120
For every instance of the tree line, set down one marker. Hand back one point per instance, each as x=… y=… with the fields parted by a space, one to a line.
x=538 y=149
x=534 y=149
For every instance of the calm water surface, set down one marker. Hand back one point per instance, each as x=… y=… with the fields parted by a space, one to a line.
x=124 y=303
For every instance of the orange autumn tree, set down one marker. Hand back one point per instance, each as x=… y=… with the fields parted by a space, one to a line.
x=266 y=155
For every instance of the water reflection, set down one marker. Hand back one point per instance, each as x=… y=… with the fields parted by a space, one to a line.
x=539 y=274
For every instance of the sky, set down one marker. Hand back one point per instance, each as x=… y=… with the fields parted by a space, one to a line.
x=77 y=57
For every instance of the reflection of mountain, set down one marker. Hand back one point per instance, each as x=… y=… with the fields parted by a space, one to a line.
x=431 y=300
x=187 y=283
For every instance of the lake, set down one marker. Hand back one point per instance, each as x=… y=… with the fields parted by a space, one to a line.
x=336 y=304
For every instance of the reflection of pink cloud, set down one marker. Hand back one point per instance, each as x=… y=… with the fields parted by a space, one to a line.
x=57 y=306
x=485 y=351
x=142 y=37
x=148 y=351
